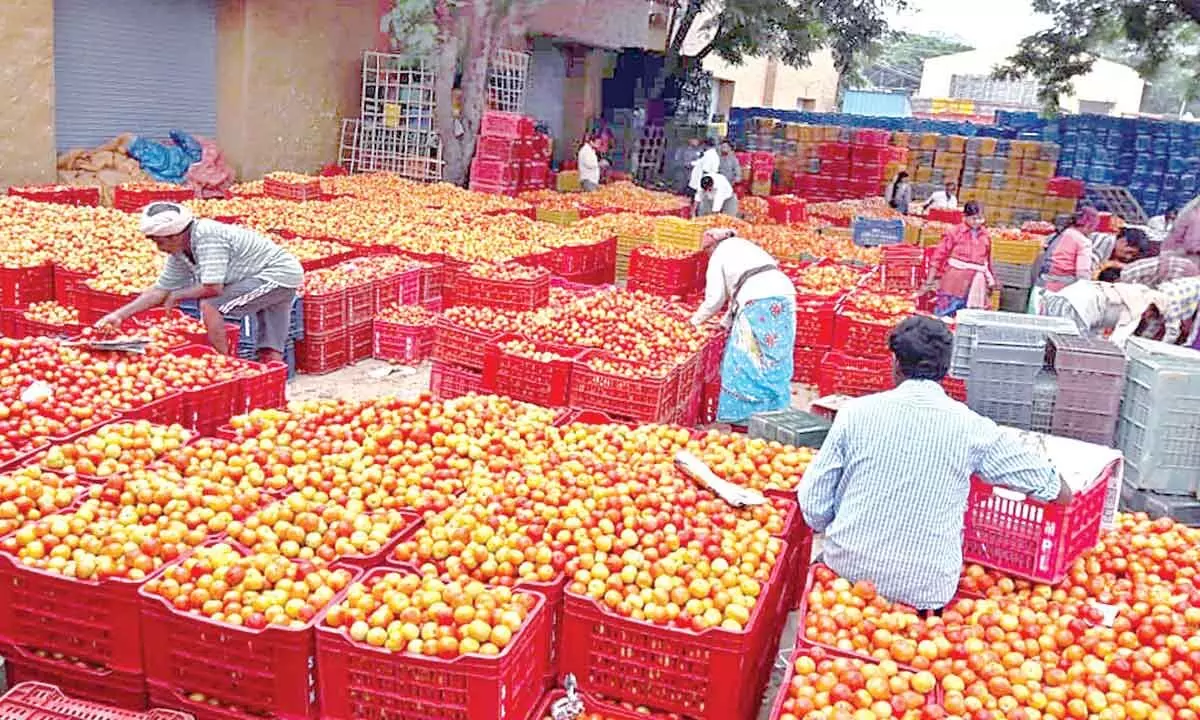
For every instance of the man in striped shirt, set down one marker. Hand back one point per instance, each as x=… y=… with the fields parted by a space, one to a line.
x=1153 y=271
x=889 y=486
x=232 y=271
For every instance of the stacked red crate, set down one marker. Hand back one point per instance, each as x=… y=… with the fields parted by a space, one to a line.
x=510 y=156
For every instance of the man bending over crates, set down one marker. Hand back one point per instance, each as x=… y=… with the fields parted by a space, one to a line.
x=231 y=271
x=889 y=487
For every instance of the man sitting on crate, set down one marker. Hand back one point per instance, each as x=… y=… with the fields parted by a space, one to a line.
x=890 y=484
x=232 y=271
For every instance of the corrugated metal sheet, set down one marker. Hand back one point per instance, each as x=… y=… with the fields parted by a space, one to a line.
x=139 y=66
x=878 y=104
x=614 y=24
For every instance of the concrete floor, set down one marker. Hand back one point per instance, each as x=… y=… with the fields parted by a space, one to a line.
x=375 y=378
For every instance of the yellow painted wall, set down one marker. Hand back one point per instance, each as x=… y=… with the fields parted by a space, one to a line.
x=288 y=71
x=26 y=92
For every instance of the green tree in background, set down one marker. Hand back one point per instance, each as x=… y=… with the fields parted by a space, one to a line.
x=1149 y=34
x=896 y=61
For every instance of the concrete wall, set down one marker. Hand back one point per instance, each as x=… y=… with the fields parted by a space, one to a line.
x=1108 y=82
x=760 y=82
x=288 y=71
x=26 y=92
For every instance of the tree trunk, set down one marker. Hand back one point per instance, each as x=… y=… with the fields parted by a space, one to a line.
x=447 y=66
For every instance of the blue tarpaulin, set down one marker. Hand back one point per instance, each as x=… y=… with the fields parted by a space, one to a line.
x=166 y=163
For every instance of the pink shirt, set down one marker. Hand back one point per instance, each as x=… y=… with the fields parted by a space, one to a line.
x=1185 y=233
x=960 y=243
x=1072 y=257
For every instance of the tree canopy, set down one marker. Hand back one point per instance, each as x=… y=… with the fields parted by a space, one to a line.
x=1148 y=34
x=896 y=61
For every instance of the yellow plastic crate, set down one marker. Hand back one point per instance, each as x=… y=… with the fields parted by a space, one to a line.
x=568 y=181
x=558 y=217
x=678 y=233
x=1016 y=252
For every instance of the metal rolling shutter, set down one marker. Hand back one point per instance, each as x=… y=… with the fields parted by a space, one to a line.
x=139 y=66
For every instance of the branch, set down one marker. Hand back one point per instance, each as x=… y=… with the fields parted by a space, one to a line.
x=1190 y=7
x=685 y=27
x=712 y=43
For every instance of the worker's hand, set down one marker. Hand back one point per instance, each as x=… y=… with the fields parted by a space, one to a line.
x=170 y=302
x=111 y=320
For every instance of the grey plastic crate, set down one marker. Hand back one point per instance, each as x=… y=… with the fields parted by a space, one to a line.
x=1031 y=356
x=970 y=322
x=981 y=390
x=1009 y=372
x=1045 y=390
x=1017 y=415
x=1098 y=428
x=1014 y=299
x=1159 y=426
x=1012 y=275
x=1179 y=508
x=1162 y=353
x=1091 y=355
x=790 y=427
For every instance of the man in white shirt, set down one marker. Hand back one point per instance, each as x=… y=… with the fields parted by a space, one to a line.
x=944 y=199
x=715 y=196
x=589 y=165
x=1099 y=306
x=708 y=164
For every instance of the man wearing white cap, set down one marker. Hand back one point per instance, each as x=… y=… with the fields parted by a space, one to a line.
x=231 y=270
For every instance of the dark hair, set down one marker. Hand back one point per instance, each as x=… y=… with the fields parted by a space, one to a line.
x=922 y=347
x=706 y=182
x=1135 y=237
x=1109 y=275
x=1173 y=210
x=972 y=208
x=161 y=207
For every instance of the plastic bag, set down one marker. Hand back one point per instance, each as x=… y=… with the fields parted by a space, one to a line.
x=190 y=146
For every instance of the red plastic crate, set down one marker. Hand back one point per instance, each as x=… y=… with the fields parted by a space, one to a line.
x=264 y=386
x=681 y=671
x=267 y=672
x=502 y=149
x=360 y=304
x=95 y=304
x=309 y=190
x=814 y=321
x=360 y=681
x=88 y=195
x=710 y=402
x=843 y=374
x=207 y=408
x=575 y=259
x=449 y=381
x=42 y=701
x=67 y=286
x=402 y=343
x=865 y=338
x=1028 y=538
x=22 y=327
x=321 y=353
x=945 y=215
x=510 y=189
x=20 y=287
x=505 y=125
x=361 y=341
x=132 y=199
x=711 y=356
x=324 y=313
x=535 y=174
x=787 y=210
x=495 y=172
x=664 y=276
x=166 y=410
x=955 y=388
x=523 y=378
x=95 y=621
x=457 y=345
x=806 y=364
x=123 y=693
x=646 y=399
x=514 y=295
x=403 y=287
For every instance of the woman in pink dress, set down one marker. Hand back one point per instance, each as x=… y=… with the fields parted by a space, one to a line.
x=1068 y=256
x=961 y=265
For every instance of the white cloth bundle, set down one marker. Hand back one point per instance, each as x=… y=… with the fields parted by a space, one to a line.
x=167 y=222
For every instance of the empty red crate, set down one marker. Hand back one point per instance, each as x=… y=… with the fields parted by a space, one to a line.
x=402 y=343
x=505 y=125
x=833 y=151
x=450 y=381
x=1028 y=538
x=638 y=398
x=955 y=388
x=124 y=694
x=519 y=377
x=535 y=174
x=319 y=353
x=854 y=335
x=22 y=286
x=458 y=345
x=41 y=701
x=502 y=148
x=676 y=670
x=495 y=172
x=361 y=681
x=843 y=374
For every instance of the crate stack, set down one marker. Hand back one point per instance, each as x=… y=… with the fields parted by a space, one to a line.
x=1045 y=391
x=933 y=159
x=248 y=330
x=1158 y=428
x=502 y=152
x=969 y=322
x=762 y=173
x=1013 y=259
x=1005 y=362
x=1012 y=179
x=1091 y=377
x=1166 y=164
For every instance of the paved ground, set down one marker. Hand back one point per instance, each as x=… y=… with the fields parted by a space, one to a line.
x=373 y=378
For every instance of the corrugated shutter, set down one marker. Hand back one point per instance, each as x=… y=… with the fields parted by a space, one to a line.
x=139 y=66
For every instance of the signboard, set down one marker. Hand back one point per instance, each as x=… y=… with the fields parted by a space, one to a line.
x=871 y=232
x=391 y=115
